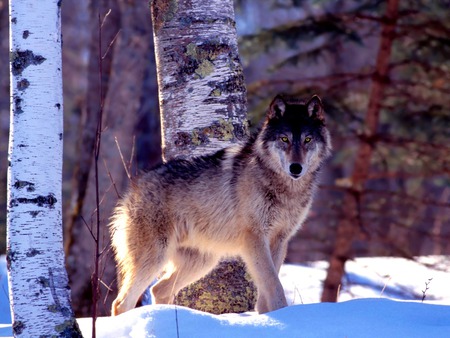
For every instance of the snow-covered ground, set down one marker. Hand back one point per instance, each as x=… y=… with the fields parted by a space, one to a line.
x=381 y=297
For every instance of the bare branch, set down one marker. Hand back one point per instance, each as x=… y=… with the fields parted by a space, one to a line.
x=121 y=157
x=111 y=44
x=104 y=18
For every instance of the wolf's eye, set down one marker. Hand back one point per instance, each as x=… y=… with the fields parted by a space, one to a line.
x=284 y=139
x=308 y=139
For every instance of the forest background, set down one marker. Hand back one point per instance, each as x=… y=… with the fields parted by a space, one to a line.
x=400 y=206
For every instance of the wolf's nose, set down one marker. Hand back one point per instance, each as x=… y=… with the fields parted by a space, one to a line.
x=295 y=168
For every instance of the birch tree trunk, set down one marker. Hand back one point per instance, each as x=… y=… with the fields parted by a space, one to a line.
x=202 y=99
x=349 y=227
x=201 y=85
x=39 y=291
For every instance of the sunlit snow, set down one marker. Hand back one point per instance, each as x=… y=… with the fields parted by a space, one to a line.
x=380 y=297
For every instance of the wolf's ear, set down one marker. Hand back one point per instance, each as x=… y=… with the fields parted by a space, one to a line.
x=315 y=108
x=277 y=107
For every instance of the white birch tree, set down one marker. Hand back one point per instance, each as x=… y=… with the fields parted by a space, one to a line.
x=39 y=291
x=202 y=99
x=202 y=93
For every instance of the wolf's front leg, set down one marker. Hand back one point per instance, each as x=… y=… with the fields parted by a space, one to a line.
x=278 y=249
x=257 y=256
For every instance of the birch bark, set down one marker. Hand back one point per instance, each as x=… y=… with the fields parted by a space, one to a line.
x=202 y=93
x=39 y=291
x=202 y=100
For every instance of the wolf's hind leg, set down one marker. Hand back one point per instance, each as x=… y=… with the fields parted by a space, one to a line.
x=135 y=279
x=190 y=265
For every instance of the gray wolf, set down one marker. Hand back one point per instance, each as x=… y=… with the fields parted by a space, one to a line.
x=247 y=200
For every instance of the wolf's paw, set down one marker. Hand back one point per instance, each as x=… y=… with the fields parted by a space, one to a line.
x=118 y=307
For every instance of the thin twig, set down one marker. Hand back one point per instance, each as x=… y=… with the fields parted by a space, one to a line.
x=133 y=149
x=424 y=292
x=105 y=285
x=113 y=183
x=111 y=44
x=176 y=321
x=88 y=227
x=385 y=285
x=297 y=291
x=108 y=290
x=95 y=279
x=121 y=157
x=104 y=18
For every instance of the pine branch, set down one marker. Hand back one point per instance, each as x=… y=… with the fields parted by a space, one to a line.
x=291 y=34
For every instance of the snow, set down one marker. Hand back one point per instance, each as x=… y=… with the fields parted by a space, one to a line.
x=388 y=277
x=381 y=297
x=356 y=318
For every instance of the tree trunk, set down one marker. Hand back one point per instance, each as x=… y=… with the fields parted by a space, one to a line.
x=40 y=295
x=4 y=119
x=348 y=227
x=203 y=108
x=117 y=141
x=201 y=86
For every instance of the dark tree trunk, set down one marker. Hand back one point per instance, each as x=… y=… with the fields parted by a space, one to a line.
x=349 y=227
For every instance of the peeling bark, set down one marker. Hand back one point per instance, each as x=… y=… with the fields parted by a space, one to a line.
x=38 y=283
x=201 y=85
x=349 y=227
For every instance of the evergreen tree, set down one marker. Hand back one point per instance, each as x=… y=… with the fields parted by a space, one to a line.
x=394 y=195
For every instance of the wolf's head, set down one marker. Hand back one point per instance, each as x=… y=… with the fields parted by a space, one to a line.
x=294 y=139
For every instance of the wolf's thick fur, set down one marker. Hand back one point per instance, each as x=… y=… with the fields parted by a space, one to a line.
x=249 y=200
